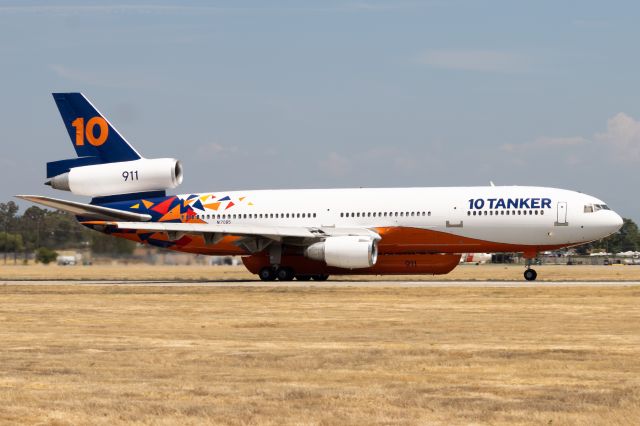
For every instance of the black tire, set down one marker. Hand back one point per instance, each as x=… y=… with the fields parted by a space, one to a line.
x=322 y=277
x=530 y=275
x=285 y=274
x=303 y=277
x=267 y=274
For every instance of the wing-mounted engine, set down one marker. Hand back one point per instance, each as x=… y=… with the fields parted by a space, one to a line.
x=123 y=177
x=350 y=252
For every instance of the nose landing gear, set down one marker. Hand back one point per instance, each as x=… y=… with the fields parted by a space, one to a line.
x=530 y=274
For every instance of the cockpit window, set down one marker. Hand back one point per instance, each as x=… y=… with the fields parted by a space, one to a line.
x=590 y=208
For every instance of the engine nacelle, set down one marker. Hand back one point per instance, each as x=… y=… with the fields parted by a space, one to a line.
x=120 y=178
x=349 y=252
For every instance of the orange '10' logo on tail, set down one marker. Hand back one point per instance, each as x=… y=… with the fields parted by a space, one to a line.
x=82 y=131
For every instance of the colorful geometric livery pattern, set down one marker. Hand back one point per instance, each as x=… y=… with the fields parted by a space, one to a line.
x=176 y=209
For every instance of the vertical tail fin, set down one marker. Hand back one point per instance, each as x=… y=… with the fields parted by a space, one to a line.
x=92 y=135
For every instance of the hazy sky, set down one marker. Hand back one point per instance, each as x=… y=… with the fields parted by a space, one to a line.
x=335 y=93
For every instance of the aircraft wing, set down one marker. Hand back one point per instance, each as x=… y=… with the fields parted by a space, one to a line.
x=276 y=233
x=86 y=210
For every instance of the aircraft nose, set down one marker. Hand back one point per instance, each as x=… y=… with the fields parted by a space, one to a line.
x=616 y=222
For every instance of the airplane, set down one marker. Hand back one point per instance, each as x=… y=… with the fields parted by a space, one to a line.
x=309 y=234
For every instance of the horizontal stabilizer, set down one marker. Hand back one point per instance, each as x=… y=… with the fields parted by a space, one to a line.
x=88 y=211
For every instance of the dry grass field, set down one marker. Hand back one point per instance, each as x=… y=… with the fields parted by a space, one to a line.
x=145 y=272
x=274 y=355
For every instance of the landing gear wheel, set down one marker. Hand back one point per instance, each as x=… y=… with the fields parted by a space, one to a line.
x=285 y=274
x=530 y=275
x=267 y=274
x=303 y=277
x=321 y=277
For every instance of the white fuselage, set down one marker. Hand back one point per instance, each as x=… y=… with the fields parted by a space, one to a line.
x=516 y=215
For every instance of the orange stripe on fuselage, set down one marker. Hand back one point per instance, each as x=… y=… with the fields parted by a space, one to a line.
x=395 y=240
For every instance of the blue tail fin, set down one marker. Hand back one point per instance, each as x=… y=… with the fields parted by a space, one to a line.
x=95 y=140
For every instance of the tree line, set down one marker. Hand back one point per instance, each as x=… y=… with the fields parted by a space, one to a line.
x=38 y=228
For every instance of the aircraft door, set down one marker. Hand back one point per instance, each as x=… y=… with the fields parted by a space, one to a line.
x=561 y=214
x=455 y=218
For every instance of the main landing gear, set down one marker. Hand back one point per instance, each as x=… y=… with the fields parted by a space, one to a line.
x=283 y=273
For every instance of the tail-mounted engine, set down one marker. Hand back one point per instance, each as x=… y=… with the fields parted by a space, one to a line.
x=123 y=177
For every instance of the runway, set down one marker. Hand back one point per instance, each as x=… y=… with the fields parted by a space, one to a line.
x=239 y=351
x=332 y=284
